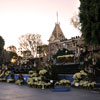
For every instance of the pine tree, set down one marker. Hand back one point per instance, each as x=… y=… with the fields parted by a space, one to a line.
x=90 y=21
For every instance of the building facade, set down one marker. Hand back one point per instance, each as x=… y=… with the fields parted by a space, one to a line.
x=58 y=41
x=54 y=40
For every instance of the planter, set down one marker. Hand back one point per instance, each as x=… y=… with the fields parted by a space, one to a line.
x=61 y=89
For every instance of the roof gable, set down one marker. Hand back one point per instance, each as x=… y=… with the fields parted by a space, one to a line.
x=57 y=34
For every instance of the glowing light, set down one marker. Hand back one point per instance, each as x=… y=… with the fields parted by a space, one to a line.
x=13 y=60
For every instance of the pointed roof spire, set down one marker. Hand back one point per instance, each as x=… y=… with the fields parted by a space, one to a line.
x=57 y=33
x=56 y=26
x=57 y=17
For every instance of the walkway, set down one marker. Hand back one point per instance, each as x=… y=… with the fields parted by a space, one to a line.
x=9 y=91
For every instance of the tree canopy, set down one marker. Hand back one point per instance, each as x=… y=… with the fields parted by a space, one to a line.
x=90 y=21
x=12 y=48
x=75 y=21
x=30 y=42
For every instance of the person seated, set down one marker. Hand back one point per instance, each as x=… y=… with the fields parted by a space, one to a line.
x=20 y=80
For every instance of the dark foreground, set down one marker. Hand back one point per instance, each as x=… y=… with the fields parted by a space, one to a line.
x=10 y=91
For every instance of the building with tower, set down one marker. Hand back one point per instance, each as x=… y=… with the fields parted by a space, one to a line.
x=55 y=38
x=58 y=41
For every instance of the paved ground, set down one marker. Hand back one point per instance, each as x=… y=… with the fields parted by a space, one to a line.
x=10 y=91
